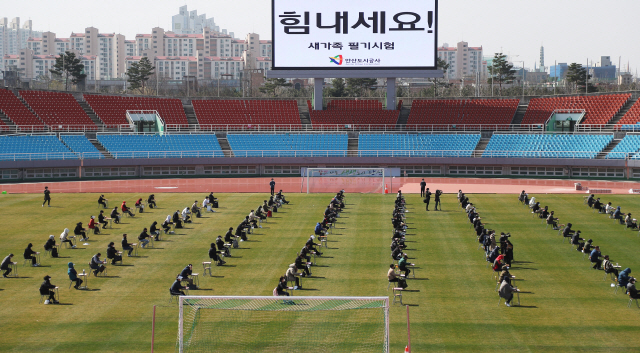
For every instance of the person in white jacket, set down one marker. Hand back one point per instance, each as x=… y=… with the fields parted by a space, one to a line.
x=186 y=215
x=64 y=238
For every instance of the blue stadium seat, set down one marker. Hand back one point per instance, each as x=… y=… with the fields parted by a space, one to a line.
x=417 y=145
x=165 y=146
x=288 y=145
x=629 y=144
x=80 y=143
x=546 y=146
x=33 y=147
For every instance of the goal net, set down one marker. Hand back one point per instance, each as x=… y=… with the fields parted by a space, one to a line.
x=352 y=180
x=283 y=324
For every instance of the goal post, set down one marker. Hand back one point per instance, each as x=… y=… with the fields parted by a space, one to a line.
x=283 y=324
x=354 y=180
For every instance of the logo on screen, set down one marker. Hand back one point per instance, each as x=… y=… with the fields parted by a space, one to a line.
x=336 y=59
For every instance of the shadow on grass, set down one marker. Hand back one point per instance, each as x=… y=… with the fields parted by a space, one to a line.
x=411 y=290
x=90 y=290
x=314 y=277
x=417 y=279
x=333 y=248
x=216 y=276
x=410 y=304
x=123 y=265
x=524 y=268
x=106 y=277
x=307 y=289
x=320 y=266
x=524 y=306
x=241 y=249
x=154 y=248
x=63 y=304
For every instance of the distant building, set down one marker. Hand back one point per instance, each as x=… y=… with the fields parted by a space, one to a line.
x=464 y=61
x=189 y=22
x=13 y=37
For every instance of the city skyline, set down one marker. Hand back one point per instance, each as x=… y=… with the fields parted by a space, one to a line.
x=566 y=38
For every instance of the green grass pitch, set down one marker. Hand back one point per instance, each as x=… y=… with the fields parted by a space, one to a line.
x=453 y=308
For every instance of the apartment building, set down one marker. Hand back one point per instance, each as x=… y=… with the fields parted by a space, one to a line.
x=464 y=61
x=14 y=37
x=31 y=65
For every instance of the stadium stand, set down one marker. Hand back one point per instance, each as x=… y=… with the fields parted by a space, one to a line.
x=546 y=146
x=157 y=146
x=18 y=113
x=79 y=143
x=112 y=110
x=629 y=144
x=288 y=145
x=58 y=109
x=245 y=112
x=631 y=119
x=33 y=147
x=468 y=112
x=598 y=109
x=417 y=145
x=357 y=113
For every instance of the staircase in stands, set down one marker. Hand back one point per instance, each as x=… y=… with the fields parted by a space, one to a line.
x=623 y=110
x=482 y=145
x=404 y=116
x=6 y=120
x=305 y=119
x=352 y=147
x=517 y=118
x=224 y=144
x=87 y=109
x=608 y=149
x=101 y=148
x=191 y=114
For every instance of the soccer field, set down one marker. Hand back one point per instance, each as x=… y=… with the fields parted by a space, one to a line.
x=566 y=306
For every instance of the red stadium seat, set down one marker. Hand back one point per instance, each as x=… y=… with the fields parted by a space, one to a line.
x=355 y=113
x=468 y=112
x=112 y=110
x=598 y=109
x=58 y=109
x=18 y=113
x=246 y=112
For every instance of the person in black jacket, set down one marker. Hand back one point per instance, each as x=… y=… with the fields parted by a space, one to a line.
x=312 y=245
x=102 y=220
x=302 y=265
x=79 y=231
x=151 y=201
x=47 y=197
x=229 y=237
x=220 y=244
x=50 y=244
x=143 y=237
x=213 y=254
x=438 y=193
x=30 y=254
x=272 y=184
x=115 y=215
x=423 y=185
x=282 y=285
x=6 y=265
x=568 y=232
x=46 y=288
x=102 y=201
x=153 y=230
x=176 y=288
x=112 y=254
x=427 y=198
x=126 y=245
x=186 y=272
x=177 y=219
x=241 y=231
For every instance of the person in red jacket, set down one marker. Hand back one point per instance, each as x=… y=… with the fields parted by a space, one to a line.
x=125 y=209
x=92 y=225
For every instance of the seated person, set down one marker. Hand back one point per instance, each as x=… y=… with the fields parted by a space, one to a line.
x=532 y=202
x=126 y=245
x=598 y=205
x=392 y=277
x=126 y=209
x=186 y=272
x=595 y=258
x=402 y=265
x=505 y=275
x=140 y=205
x=617 y=214
x=608 y=267
x=154 y=231
x=102 y=220
x=591 y=200
x=93 y=226
x=312 y=245
x=396 y=254
x=186 y=215
x=631 y=289
x=623 y=278
x=498 y=264
x=29 y=254
x=143 y=237
x=292 y=275
x=253 y=220
x=151 y=201
x=229 y=237
x=506 y=292
x=575 y=238
x=177 y=219
x=213 y=254
x=306 y=252
x=81 y=232
x=520 y=197
x=115 y=215
x=195 y=209
x=261 y=215
x=112 y=253
x=6 y=265
x=631 y=223
x=301 y=264
x=586 y=247
x=319 y=230
x=223 y=249
x=609 y=208
x=544 y=213
x=46 y=288
x=282 y=287
x=102 y=201
x=212 y=200
x=96 y=264
x=281 y=197
x=206 y=203
x=552 y=221
x=50 y=244
x=241 y=231
x=166 y=225
x=568 y=232
x=73 y=275
x=535 y=207
x=64 y=238
x=176 y=287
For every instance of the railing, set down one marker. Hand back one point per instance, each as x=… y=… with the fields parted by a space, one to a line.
x=319 y=153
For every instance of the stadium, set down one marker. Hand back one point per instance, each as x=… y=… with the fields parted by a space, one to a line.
x=511 y=219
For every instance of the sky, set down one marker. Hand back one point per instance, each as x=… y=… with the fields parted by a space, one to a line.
x=569 y=30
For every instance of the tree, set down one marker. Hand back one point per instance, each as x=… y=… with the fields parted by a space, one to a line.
x=501 y=71
x=442 y=65
x=577 y=77
x=139 y=73
x=272 y=84
x=68 y=66
x=338 y=88
x=356 y=86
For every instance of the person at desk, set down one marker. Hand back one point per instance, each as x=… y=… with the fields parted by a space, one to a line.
x=186 y=272
x=112 y=253
x=631 y=223
x=102 y=201
x=79 y=231
x=140 y=205
x=302 y=265
x=212 y=199
x=221 y=247
x=176 y=287
x=64 y=238
x=186 y=215
x=229 y=237
x=282 y=284
x=608 y=267
x=595 y=258
x=195 y=209
x=312 y=245
x=50 y=245
x=506 y=292
x=29 y=254
x=126 y=209
x=617 y=214
x=598 y=205
x=292 y=275
x=73 y=275
x=102 y=220
x=151 y=201
x=176 y=219
x=505 y=275
x=213 y=254
x=143 y=237
x=46 y=288
x=568 y=232
x=96 y=264
x=402 y=265
x=93 y=226
x=623 y=278
x=631 y=289
x=126 y=245
x=206 y=203
x=115 y=215
x=591 y=200
x=6 y=265
x=392 y=277
x=154 y=231
x=166 y=225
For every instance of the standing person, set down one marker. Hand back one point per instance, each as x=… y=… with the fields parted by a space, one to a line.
x=47 y=196
x=273 y=186
x=427 y=198
x=6 y=265
x=423 y=185
x=73 y=275
x=126 y=245
x=438 y=193
x=46 y=288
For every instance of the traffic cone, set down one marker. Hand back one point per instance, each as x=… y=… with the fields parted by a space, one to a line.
x=406 y=349
x=386 y=191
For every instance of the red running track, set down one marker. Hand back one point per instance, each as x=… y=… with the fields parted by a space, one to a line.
x=298 y=184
